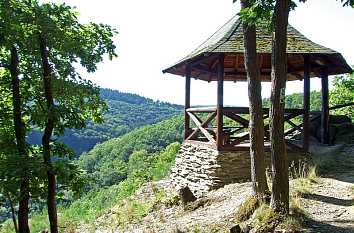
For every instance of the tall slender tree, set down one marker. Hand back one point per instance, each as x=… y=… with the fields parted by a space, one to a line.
x=68 y=101
x=277 y=11
x=48 y=131
x=12 y=35
x=9 y=183
x=256 y=126
x=20 y=134
x=280 y=174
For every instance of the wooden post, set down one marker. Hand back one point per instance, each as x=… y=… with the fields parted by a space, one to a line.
x=325 y=109
x=306 y=133
x=220 y=102
x=187 y=102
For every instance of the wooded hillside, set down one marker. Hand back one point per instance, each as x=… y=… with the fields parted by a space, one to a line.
x=125 y=112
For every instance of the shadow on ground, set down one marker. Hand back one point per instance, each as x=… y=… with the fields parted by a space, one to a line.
x=325 y=227
x=330 y=200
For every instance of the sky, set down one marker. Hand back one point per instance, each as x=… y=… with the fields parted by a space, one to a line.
x=155 y=34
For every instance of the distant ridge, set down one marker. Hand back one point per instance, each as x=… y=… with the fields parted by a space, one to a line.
x=126 y=112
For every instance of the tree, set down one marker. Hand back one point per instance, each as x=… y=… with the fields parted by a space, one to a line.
x=278 y=10
x=343 y=93
x=8 y=150
x=67 y=100
x=280 y=174
x=12 y=18
x=256 y=125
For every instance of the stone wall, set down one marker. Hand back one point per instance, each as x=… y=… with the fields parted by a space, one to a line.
x=203 y=169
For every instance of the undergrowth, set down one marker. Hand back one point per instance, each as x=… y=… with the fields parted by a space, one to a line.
x=302 y=177
x=85 y=210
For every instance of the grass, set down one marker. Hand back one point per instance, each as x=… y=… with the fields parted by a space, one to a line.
x=247 y=208
x=265 y=219
x=133 y=210
x=302 y=177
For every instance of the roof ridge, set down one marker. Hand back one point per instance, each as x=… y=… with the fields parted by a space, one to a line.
x=215 y=33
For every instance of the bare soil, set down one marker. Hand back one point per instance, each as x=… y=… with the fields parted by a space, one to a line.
x=330 y=204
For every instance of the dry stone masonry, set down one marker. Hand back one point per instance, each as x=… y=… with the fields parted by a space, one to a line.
x=203 y=169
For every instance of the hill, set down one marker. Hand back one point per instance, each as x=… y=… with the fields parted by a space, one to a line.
x=107 y=162
x=116 y=169
x=125 y=113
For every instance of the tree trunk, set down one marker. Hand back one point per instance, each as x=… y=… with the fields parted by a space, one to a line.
x=256 y=125
x=48 y=131
x=280 y=178
x=20 y=134
x=13 y=212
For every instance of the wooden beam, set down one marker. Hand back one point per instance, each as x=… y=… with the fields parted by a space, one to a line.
x=202 y=58
x=242 y=110
x=306 y=115
x=187 y=103
x=209 y=118
x=325 y=109
x=341 y=106
x=220 y=103
x=199 y=125
x=237 y=118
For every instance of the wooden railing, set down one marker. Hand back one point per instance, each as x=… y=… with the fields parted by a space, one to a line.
x=234 y=134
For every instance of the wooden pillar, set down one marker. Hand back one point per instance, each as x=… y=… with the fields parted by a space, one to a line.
x=325 y=109
x=306 y=116
x=187 y=103
x=220 y=102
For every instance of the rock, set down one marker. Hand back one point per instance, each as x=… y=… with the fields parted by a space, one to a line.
x=236 y=229
x=203 y=169
x=339 y=119
x=186 y=195
x=336 y=123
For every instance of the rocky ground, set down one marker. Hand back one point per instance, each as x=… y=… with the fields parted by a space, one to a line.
x=329 y=204
x=215 y=214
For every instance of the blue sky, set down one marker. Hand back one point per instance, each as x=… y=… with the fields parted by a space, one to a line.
x=154 y=34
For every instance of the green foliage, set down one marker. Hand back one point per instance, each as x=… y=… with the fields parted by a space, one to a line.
x=29 y=28
x=148 y=139
x=257 y=12
x=164 y=161
x=261 y=11
x=98 y=201
x=342 y=93
x=125 y=113
x=296 y=101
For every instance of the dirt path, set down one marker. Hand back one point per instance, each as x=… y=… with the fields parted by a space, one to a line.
x=331 y=201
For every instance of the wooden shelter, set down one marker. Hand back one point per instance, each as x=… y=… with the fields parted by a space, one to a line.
x=221 y=58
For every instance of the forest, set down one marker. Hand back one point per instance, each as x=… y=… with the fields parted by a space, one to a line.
x=125 y=112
